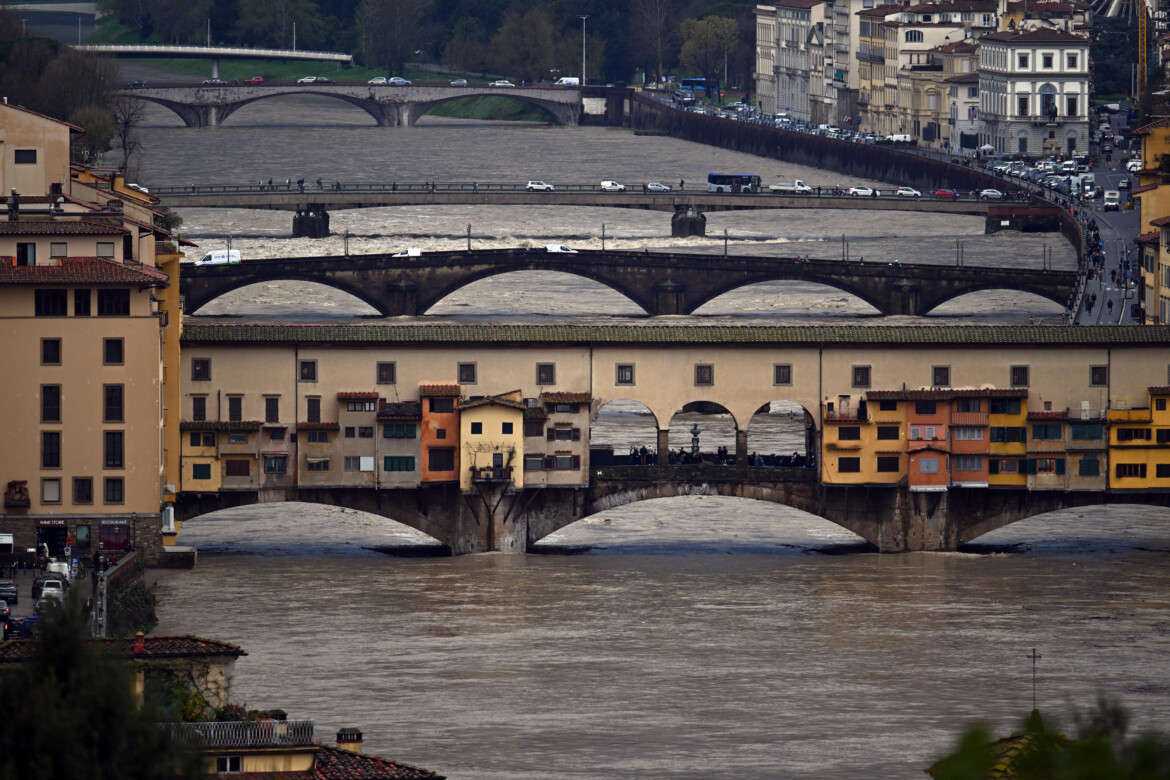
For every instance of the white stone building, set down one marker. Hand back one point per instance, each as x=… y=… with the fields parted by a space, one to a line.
x=786 y=34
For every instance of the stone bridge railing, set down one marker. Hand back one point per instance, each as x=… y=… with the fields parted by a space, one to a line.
x=702 y=473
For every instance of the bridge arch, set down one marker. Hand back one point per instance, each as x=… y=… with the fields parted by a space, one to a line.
x=842 y=284
x=429 y=298
x=221 y=287
x=946 y=296
x=624 y=424
x=379 y=117
x=557 y=113
x=1086 y=512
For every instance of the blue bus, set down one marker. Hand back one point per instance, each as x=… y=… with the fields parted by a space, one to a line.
x=703 y=88
x=733 y=182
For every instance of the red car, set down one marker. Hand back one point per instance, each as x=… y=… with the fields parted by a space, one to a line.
x=947 y=194
x=254 y=80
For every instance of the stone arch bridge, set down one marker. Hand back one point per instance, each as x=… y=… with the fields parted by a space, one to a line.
x=661 y=283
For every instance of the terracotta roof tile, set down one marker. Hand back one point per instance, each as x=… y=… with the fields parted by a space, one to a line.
x=220 y=425
x=1037 y=35
x=55 y=227
x=358 y=395
x=565 y=398
x=1061 y=415
x=405 y=411
x=333 y=763
x=1159 y=390
x=1160 y=222
x=945 y=395
x=963 y=78
x=491 y=401
x=72 y=128
x=153 y=646
x=318 y=426
x=1146 y=128
x=1143 y=188
x=439 y=391
x=1148 y=238
x=84 y=270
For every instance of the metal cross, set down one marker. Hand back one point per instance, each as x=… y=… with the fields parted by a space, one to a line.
x=1035 y=657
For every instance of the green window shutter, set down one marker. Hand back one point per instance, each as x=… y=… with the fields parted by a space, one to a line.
x=993 y=466
x=1060 y=465
x=1030 y=466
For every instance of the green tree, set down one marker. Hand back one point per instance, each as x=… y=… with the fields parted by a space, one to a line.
x=69 y=712
x=392 y=31
x=526 y=45
x=708 y=43
x=466 y=51
x=653 y=26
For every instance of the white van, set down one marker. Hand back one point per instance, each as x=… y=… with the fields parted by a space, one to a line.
x=559 y=248
x=219 y=257
x=60 y=568
x=410 y=251
x=568 y=81
x=898 y=138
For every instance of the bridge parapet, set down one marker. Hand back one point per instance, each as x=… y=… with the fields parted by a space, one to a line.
x=706 y=472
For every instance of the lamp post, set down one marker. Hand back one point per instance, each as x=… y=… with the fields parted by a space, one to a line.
x=583 y=18
x=602 y=236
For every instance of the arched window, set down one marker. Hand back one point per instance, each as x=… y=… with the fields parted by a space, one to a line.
x=914 y=36
x=1048 y=100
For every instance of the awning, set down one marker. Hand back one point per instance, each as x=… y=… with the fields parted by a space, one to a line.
x=278 y=455
x=317 y=460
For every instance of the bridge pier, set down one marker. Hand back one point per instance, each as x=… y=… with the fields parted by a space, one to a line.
x=687 y=221
x=311 y=224
x=741 y=446
x=669 y=298
x=663 y=450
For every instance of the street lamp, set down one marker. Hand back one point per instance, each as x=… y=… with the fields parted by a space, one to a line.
x=583 y=18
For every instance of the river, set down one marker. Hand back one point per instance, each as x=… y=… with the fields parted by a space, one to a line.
x=695 y=637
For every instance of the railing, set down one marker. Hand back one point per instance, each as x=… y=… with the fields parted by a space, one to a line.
x=846 y=415
x=707 y=472
x=242 y=734
x=491 y=474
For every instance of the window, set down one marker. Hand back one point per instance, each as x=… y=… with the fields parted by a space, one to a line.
x=317 y=437
x=237 y=468
x=546 y=373
x=915 y=433
x=968 y=433
x=888 y=432
x=106 y=249
x=1160 y=404
x=506 y=429
x=50 y=352
x=26 y=254
x=83 y=490
x=203 y=438
x=1004 y=405
x=466 y=373
x=276 y=434
x=1049 y=465
x=58 y=249
x=275 y=464
x=565 y=461
x=440 y=433
x=1087 y=432
x=533 y=462
x=1022 y=59
x=50 y=403
x=1098 y=376
x=533 y=428
x=352 y=463
x=1124 y=470
x=940 y=376
x=1162 y=436
x=235 y=408
x=200 y=369
x=849 y=433
x=849 y=465
x=313 y=409
x=782 y=374
x=81 y=300
x=365 y=431
x=115 y=490
x=442 y=405
x=25 y=157
x=398 y=463
x=387 y=373
x=1072 y=106
x=887 y=406
x=113 y=303
x=51 y=490
x=565 y=409
x=316 y=464
x=238 y=438
x=51 y=303
x=972 y=92
x=1162 y=470
x=1090 y=466
x=398 y=431
x=113 y=405
x=625 y=374
x=968 y=463
x=115 y=449
x=928 y=466
x=888 y=463
x=928 y=432
x=361 y=406
x=307 y=371
x=1133 y=434
x=476 y=428
x=199 y=408
x=1022 y=105
x=1046 y=61
x=441 y=459
x=1071 y=60
x=925 y=407
x=50 y=449
x=968 y=405
x=229 y=764
x=1003 y=466
x=914 y=36
x=350 y=432
x=272 y=409
x=861 y=376
x=1019 y=376
x=1010 y=434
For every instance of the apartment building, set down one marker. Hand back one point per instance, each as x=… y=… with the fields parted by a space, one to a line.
x=1153 y=196
x=786 y=37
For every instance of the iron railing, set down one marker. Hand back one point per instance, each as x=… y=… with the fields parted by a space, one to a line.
x=242 y=734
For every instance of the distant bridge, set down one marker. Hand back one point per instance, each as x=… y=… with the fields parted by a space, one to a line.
x=214 y=53
x=661 y=283
x=207 y=105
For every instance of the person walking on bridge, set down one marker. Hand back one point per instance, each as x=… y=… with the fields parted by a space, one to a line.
x=682 y=184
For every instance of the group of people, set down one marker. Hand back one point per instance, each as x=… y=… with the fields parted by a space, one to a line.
x=641 y=456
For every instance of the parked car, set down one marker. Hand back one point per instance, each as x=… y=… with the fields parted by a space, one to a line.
x=316 y=80
x=946 y=194
x=459 y=83
x=9 y=592
x=214 y=81
x=908 y=192
x=135 y=84
x=657 y=186
x=559 y=248
x=539 y=186
x=612 y=186
x=990 y=194
x=1134 y=165
x=39 y=583
x=398 y=81
x=502 y=83
x=254 y=80
x=5 y=611
x=377 y=80
x=861 y=191
x=1123 y=184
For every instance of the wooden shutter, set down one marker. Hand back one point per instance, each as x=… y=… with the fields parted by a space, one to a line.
x=551 y=434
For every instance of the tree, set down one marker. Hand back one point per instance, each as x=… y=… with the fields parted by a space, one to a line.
x=653 y=25
x=69 y=712
x=392 y=30
x=466 y=51
x=127 y=115
x=525 y=46
x=708 y=43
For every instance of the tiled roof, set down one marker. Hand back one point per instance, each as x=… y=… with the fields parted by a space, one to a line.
x=407 y=410
x=963 y=78
x=491 y=401
x=565 y=398
x=881 y=10
x=535 y=413
x=1160 y=222
x=1147 y=238
x=332 y=763
x=813 y=335
x=1146 y=128
x=358 y=395
x=796 y=3
x=40 y=227
x=945 y=395
x=1159 y=390
x=938 y=8
x=220 y=425
x=1061 y=415
x=152 y=647
x=957 y=47
x=72 y=128
x=318 y=426
x=1143 y=188
x=439 y=391
x=1034 y=7
x=84 y=270
x=1037 y=35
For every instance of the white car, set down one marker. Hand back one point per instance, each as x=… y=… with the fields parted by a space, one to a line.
x=990 y=194
x=863 y=192
x=908 y=192
x=502 y=83
x=657 y=186
x=459 y=83
x=559 y=248
x=539 y=186
x=377 y=80
x=307 y=80
x=398 y=81
x=612 y=186
x=1133 y=166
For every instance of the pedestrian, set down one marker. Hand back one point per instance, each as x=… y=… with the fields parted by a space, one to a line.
x=1109 y=305
x=682 y=184
x=475 y=186
x=269 y=182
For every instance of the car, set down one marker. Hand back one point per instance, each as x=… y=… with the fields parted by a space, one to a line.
x=45 y=602
x=539 y=186
x=861 y=191
x=502 y=83
x=214 y=81
x=991 y=194
x=1133 y=166
x=410 y=251
x=254 y=80
x=398 y=81
x=39 y=583
x=378 y=80
x=5 y=611
x=9 y=592
x=559 y=248
x=1123 y=184
x=138 y=187
x=1112 y=201
x=324 y=80
x=612 y=186
x=908 y=192
x=53 y=585
x=21 y=627
x=459 y=83
x=135 y=84
x=946 y=194
x=307 y=80
x=657 y=186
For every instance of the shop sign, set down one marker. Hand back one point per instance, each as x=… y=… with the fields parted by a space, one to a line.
x=115 y=522
x=50 y=523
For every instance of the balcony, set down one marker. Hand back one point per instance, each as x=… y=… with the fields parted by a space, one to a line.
x=503 y=474
x=845 y=415
x=969 y=418
x=243 y=734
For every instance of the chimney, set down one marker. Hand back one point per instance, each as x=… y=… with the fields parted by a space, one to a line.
x=350 y=739
x=14 y=206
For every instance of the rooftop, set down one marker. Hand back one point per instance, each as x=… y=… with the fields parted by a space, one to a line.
x=1037 y=35
x=439 y=390
x=152 y=647
x=55 y=227
x=84 y=270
